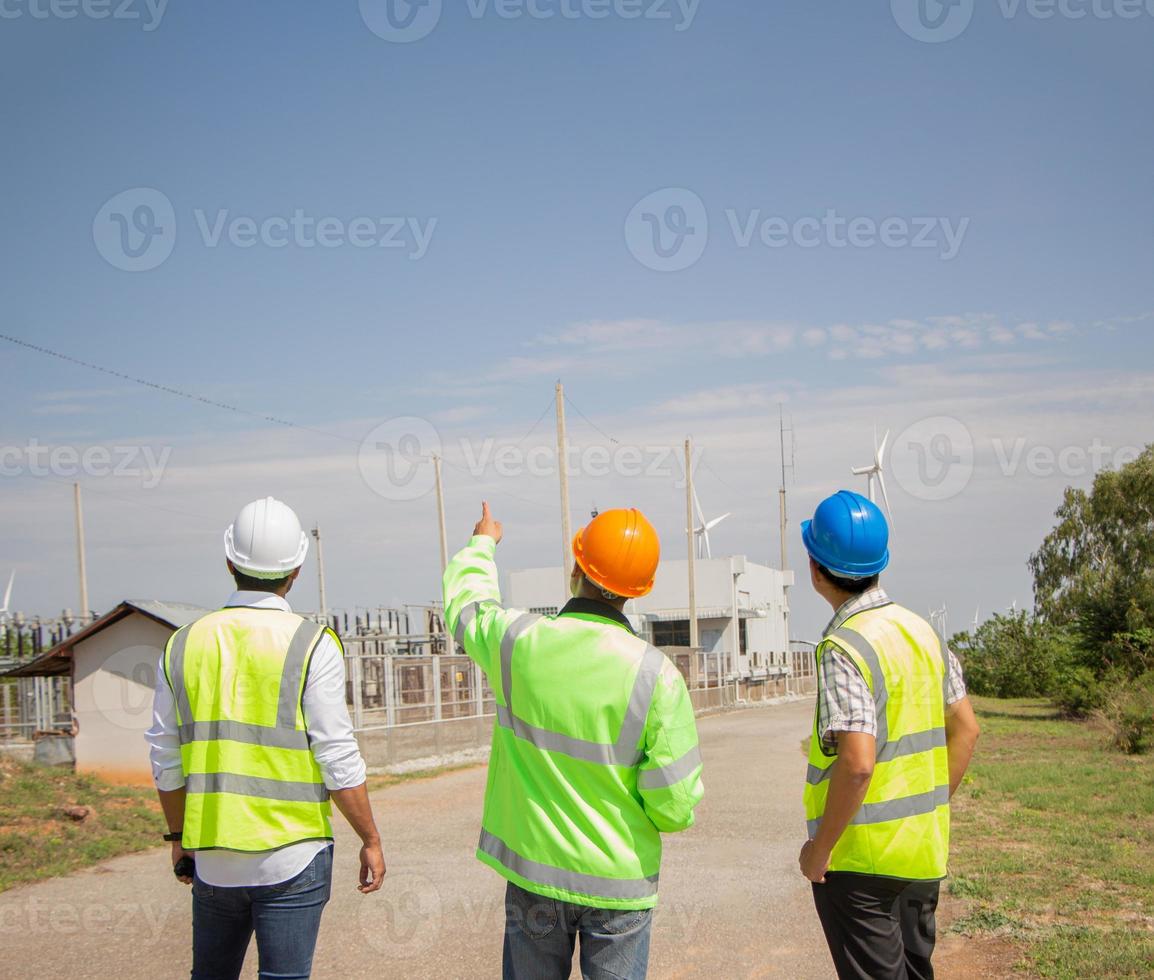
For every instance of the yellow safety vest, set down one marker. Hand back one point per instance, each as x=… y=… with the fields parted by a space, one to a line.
x=902 y=829
x=237 y=677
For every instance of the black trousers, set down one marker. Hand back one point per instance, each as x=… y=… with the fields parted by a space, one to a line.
x=878 y=928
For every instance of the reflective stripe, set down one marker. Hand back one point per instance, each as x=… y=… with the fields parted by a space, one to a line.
x=570 y=881
x=176 y=674
x=899 y=809
x=303 y=642
x=268 y=789
x=907 y=745
x=945 y=653
x=935 y=738
x=465 y=620
x=671 y=774
x=863 y=648
x=633 y=727
x=625 y=751
x=236 y=731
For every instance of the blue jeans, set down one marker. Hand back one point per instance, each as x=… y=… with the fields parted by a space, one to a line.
x=541 y=933
x=286 y=919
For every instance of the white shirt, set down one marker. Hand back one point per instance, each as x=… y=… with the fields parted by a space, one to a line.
x=331 y=740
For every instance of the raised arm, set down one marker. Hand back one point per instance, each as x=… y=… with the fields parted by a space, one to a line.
x=472 y=591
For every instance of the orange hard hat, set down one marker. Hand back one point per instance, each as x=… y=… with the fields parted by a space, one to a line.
x=619 y=550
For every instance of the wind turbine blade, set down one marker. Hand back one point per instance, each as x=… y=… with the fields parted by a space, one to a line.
x=708 y=546
x=717 y=520
x=886 y=499
x=880 y=455
x=8 y=591
x=861 y=470
x=697 y=506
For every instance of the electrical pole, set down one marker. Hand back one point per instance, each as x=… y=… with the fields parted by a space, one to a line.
x=693 y=638
x=323 y=611
x=441 y=514
x=84 y=610
x=781 y=492
x=563 y=469
x=449 y=647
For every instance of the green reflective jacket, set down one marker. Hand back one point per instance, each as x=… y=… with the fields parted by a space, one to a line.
x=595 y=750
x=902 y=829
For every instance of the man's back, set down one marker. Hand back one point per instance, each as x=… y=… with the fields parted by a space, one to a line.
x=595 y=746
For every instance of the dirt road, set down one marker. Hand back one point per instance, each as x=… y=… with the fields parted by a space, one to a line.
x=732 y=903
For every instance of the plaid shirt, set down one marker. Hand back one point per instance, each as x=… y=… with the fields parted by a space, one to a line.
x=844 y=701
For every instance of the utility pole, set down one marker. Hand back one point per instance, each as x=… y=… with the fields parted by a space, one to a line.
x=563 y=469
x=84 y=610
x=693 y=638
x=783 y=516
x=441 y=514
x=449 y=647
x=323 y=611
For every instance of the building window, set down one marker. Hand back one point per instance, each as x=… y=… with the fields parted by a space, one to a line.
x=674 y=633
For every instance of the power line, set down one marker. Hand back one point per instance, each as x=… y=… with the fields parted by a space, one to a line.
x=573 y=405
x=168 y=389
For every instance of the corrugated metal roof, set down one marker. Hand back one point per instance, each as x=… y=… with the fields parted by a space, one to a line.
x=176 y=614
x=58 y=660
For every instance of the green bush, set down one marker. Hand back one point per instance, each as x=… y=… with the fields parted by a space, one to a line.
x=1014 y=656
x=1077 y=691
x=1127 y=712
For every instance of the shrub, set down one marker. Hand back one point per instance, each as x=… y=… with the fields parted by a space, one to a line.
x=1127 y=713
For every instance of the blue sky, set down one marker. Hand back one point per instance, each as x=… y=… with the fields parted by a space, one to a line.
x=519 y=148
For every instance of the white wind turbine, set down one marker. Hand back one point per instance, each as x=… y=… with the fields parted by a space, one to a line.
x=5 y=613
x=701 y=533
x=875 y=473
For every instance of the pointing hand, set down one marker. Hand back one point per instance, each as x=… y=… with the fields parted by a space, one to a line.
x=486 y=525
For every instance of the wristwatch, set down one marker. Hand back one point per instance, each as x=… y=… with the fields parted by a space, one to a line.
x=174 y=836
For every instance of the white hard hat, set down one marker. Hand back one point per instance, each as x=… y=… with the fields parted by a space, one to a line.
x=266 y=540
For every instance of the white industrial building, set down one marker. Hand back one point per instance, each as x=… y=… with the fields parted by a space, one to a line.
x=742 y=611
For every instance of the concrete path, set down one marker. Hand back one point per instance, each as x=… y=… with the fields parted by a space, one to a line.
x=732 y=902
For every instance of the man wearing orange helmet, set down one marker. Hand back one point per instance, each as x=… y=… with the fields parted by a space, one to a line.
x=595 y=752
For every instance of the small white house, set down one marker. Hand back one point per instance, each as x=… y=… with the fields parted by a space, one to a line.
x=734 y=598
x=113 y=663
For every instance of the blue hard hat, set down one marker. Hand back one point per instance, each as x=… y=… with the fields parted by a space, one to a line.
x=848 y=535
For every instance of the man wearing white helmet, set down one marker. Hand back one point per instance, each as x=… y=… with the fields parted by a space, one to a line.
x=251 y=740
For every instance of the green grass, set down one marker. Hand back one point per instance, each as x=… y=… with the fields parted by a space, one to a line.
x=1053 y=845
x=37 y=841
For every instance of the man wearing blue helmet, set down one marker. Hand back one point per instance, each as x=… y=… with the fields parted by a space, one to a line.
x=893 y=735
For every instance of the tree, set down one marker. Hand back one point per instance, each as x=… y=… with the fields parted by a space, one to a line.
x=1094 y=573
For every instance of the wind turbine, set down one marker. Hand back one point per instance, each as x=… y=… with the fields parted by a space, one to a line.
x=875 y=473
x=938 y=618
x=5 y=614
x=701 y=533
